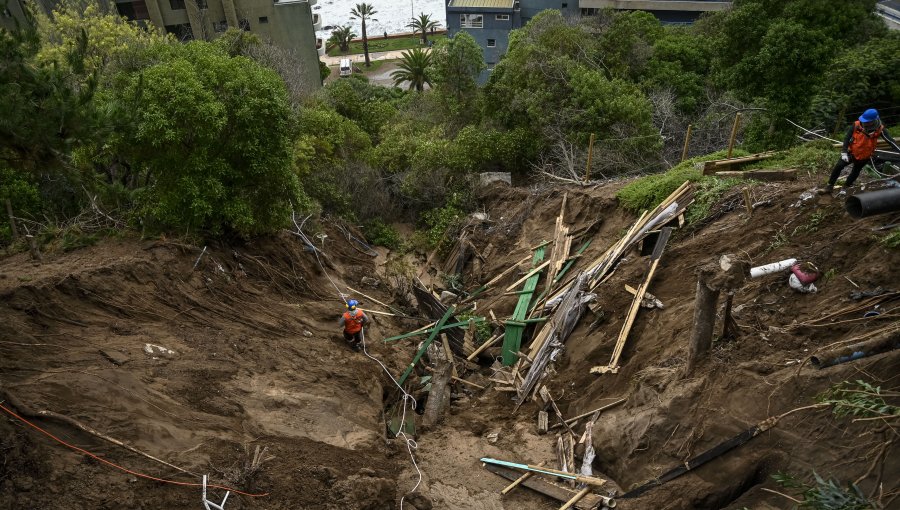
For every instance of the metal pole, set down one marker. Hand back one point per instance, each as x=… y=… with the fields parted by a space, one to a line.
x=734 y=128
x=687 y=141
x=587 y=170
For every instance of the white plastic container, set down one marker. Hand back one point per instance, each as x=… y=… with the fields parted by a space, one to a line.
x=774 y=267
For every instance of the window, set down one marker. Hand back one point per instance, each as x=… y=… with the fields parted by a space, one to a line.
x=471 y=21
x=492 y=43
x=244 y=25
x=181 y=32
x=201 y=4
x=502 y=17
x=220 y=26
x=134 y=11
x=564 y=5
x=263 y=19
x=176 y=5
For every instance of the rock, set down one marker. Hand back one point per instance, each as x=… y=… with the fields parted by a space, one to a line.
x=487 y=178
x=492 y=437
x=367 y=472
x=158 y=350
x=479 y=216
x=418 y=500
x=371 y=282
x=448 y=297
x=115 y=357
x=307 y=333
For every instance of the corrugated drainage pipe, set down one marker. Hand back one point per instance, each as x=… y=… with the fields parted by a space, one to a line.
x=882 y=343
x=874 y=202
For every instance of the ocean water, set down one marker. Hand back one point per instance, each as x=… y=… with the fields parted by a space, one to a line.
x=392 y=15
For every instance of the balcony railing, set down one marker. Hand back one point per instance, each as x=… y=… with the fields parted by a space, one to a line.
x=320 y=46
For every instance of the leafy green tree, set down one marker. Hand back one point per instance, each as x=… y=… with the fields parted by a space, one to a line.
x=212 y=136
x=324 y=71
x=680 y=63
x=364 y=12
x=46 y=104
x=456 y=63
x=626 y=43
x=423 y=23
x=369 y=106
x=861 y=77
x=341 y=36
x=413 y=68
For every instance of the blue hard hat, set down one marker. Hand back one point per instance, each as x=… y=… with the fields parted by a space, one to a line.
x=869 y=115
x=352 y=304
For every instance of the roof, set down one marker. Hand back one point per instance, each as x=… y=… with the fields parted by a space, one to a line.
x=496 y=4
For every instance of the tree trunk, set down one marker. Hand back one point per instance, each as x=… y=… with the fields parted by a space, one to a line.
x=704 y=321
x=365 y=43
x=439 y=395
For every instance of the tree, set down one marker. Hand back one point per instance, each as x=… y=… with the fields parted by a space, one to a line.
x=423 y=24
x=363 y=12
x=210 y=133
x=341 y=36
x=456 y=63
x=413 y=67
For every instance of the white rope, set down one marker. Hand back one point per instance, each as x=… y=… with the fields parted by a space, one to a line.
x=411 y=444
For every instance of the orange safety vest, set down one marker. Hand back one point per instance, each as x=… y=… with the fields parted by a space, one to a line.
x=863 y=144
x=353 y=323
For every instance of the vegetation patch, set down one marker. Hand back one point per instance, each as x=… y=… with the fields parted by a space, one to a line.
x=892 y=240
x=382 y=44
x=380 y=233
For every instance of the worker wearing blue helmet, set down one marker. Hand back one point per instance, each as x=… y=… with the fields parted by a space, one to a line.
x=353 y=321
x=859 y=147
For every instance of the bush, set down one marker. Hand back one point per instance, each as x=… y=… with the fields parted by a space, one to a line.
x=891 y=240
x=709 y=191
x=815 y=156
x=441 y=219
x=380 y=233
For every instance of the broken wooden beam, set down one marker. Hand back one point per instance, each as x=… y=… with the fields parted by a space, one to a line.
x=484 y=346
x=710 y=167
x=519 y=480
x=589 y=413
x=549 y=489
x=613 y=366
x=789 y=174
x=575 y=499
x=543 y=422
x=425 y=345
x=590 y=480
x=428 y=329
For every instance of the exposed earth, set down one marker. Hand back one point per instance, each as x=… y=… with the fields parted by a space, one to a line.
x=254 y=358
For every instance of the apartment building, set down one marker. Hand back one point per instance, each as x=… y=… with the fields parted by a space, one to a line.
x=289 y=24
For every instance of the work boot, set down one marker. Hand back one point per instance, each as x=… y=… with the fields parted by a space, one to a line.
x=826 y=189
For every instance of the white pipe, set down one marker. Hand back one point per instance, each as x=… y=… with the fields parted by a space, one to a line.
x=775 y=267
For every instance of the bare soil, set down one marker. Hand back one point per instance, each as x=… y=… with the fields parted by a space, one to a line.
x=259 y=361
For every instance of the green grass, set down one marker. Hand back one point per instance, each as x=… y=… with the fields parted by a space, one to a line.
x=648 y=192
x=380 y=44
x=816 y=157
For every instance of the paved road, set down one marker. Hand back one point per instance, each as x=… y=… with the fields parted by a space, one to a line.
x=359 y=59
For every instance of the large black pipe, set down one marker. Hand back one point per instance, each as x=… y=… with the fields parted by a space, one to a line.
x=874 y=202
x=882 y=343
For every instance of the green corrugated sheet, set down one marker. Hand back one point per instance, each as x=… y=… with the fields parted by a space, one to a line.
x=512 y=338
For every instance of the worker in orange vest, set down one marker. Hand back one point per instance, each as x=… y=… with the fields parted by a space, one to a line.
x=859 y=147
x=353 y=320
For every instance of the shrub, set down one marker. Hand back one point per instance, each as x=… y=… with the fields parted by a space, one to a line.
x=891 y=240
x=381 y=234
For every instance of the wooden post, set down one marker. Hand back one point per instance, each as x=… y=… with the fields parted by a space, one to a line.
x=33 y=247
x=12 y=220
x=734 y=128
x=687 y=141
x=587 y=170
x=748 y=202
x=439 y=394
x=704 y=320
x=543 y=422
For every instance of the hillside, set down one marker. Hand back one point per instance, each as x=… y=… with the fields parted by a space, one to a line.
x=258 y=362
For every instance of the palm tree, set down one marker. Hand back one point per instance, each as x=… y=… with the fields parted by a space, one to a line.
x=423 y=24
x=413 y=67
x=341 y=36
x=364 y=11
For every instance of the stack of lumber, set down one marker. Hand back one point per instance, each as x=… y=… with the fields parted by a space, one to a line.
x=711 y=167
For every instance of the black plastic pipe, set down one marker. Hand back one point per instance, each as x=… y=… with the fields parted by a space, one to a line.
x=874 y=202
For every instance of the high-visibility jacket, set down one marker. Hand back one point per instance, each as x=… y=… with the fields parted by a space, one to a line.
x=862 y=146
x=353 y=321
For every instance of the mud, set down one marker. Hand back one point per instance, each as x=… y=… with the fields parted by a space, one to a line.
x=258 y=361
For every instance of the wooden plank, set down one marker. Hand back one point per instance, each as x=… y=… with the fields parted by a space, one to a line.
x=428 y=329
x=484 y=346
x=519 y=480
x=515 y=328
x=449 y=355
x=543 y=422
x=547 y=488
x=575 y=499
x=789 y=174
x=613 y=366
x=425 y=345
x=527 y=276
x=432 y=307
x=589 y=413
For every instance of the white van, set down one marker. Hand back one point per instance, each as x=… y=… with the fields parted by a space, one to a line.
x=346 y=68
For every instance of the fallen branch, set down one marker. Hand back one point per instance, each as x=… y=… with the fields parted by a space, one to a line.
x=28 y=412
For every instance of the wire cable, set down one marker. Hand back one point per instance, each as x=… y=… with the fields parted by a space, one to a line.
x=120 y=468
